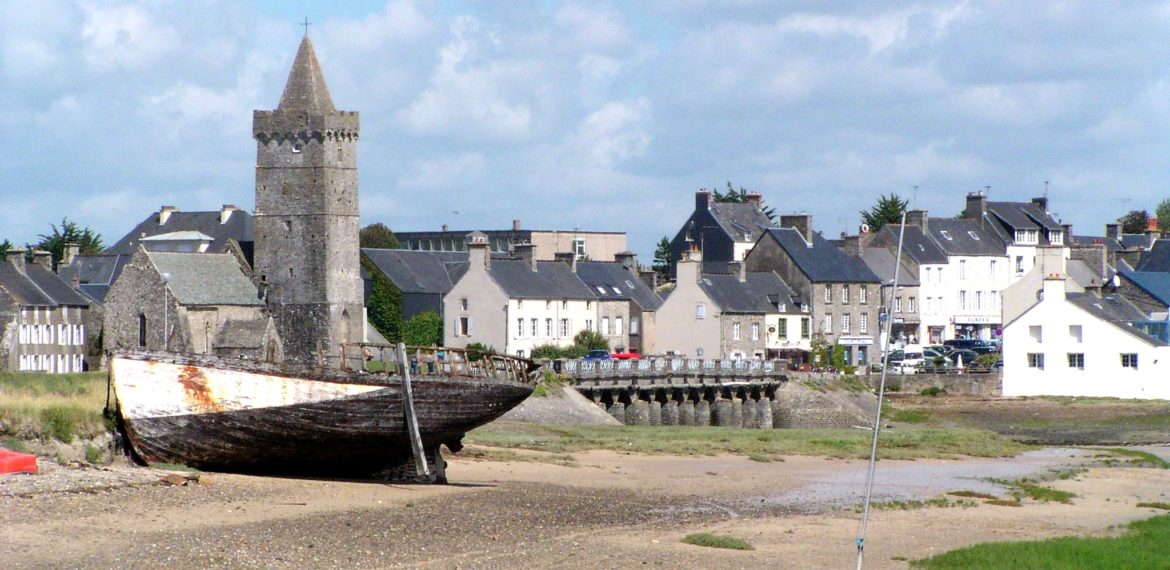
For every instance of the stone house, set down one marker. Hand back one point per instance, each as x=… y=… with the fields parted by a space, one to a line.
x=422 y=278
x=929 y=264
x=42 y=319
x=842 y=291
x=582 y=244
x=722 y=231
x=626 y=306
x=514 y=305
x=1020 y=226
x=193 y=303
x=901 y=303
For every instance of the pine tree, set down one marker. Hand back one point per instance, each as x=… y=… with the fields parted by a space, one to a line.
x=90 y=242
x=662 y=260
x=1134 y=222
x=1162 y=212
x=888 y=210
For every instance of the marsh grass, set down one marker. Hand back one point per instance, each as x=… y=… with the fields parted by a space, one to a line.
x=716 y=541
x=58 y=406
x=908 y=505
x=1142 y=547
x=972 y=495
x=1137 y=458
x=908 y=443
x=1155 y=505
x=1045 y=494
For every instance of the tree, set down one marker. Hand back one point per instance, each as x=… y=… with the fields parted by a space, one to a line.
x=90 y=242
x=1162 y=212
x=384 y=304
x=4 y=247
x=662 y=255
x=740 y=196
x=590 y=340
x=378 y=236
x=1134 y=222
x=423 y=329
x=888 y=210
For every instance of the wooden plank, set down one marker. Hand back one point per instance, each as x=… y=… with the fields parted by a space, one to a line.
x=416 y=445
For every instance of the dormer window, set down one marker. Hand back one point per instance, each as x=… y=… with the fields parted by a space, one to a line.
x=1056 y=238
x=1027 y=237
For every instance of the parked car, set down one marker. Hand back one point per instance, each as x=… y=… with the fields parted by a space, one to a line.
x=596 y=355
x=626 y=356
x=963 y=356
x=979 y=346
x=936 y=350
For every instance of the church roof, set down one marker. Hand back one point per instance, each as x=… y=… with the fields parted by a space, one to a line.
x=305 y=89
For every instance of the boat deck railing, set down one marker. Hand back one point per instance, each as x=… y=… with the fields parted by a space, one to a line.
x=442 y=361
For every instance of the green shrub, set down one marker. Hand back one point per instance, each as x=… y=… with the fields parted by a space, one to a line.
x=477 y=350
x=549 y=351
x=932 y=391
x=94 y=454
x=715 y=541
x=423 y=329
x=60 y=422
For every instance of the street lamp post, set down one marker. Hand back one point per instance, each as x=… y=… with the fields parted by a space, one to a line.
x=166 y=278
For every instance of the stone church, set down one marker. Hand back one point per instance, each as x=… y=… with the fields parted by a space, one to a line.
x=303 y=297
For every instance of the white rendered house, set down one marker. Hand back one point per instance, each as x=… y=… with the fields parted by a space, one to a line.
x=1079 y=344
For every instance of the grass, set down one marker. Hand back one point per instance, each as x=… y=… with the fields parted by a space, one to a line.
x=908 y=505
x=57 y=406
x=909 y=416
x=716 y=541
x=1142 y=547
x=1157 y=505
x=1139 y=458
x=1045 y=494
x=760 y=445
x=497 y=454
x=972 y=495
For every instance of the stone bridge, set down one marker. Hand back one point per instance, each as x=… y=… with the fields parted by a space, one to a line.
x=687 y=392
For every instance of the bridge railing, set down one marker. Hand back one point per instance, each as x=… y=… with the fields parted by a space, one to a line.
x=658 y=366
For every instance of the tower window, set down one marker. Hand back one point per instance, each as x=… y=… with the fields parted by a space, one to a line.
x=288 y=225
x=296 y=148
x=339 y=154
x=290 y=272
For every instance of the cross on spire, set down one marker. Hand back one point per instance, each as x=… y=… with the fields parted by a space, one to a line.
x=306 y=25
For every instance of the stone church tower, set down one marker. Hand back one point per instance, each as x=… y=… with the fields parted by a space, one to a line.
x=306 y=222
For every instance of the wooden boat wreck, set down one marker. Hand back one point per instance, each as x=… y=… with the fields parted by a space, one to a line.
x=248 y=416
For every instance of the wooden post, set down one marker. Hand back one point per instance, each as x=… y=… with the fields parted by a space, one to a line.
x=420 y=456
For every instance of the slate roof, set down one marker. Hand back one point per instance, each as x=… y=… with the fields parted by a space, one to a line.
x=1156 y=258
x=1115 y=310
x=1111 y=244
x=242 y=334
x=1082 y=274
x=736 y=218
x=1156 y=283
x=237 y=227
x=772 y=287
x=551 y=280
x=38 y=287
x=419 y=271
x=821 y=262
x=95 y=273
x=881 y=262
x=954 y=236
x=1133 y=241
x=1023 y=215
x=617 y=282
x=734 y=296
x=205 y=278
x=305 y=89
x=917 y=245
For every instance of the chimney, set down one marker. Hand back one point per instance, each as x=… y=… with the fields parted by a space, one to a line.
x=164 y=214
x=702 y=201
x=739 y=269
x=755 y=199
x=688 y=269
x=1067 y=233
x=650 y=278
x=917 y=218
x=515 y=225
x=71 y=252
x=225 y=213
x=43 y=258
x=1113 y=231
x=976 y=206
x=1041 y=202
x=1152 y=232
x=851 y=245
x=802 y=223
x=478 y=251
x=526 y=252
x=627 y=259
x=15 y=256
x=444 y=227
x=1054 y=287
x=567 y=257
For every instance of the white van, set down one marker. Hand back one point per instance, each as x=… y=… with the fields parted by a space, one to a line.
x=912 y=356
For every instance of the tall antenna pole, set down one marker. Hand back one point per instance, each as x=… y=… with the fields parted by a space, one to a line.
x=877 y=417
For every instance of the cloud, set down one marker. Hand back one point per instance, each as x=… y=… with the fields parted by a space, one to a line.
x=124 y=36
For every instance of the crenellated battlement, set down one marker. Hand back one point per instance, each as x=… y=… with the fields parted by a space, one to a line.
x=305 y=137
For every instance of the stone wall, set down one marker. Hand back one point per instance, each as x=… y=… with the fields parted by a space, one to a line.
x=955 y=384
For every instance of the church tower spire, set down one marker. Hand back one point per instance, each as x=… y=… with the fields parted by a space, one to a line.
x=306 y=222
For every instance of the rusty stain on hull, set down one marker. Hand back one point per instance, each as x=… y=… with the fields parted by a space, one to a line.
x=196 y=390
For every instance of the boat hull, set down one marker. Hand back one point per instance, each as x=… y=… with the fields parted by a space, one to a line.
x=223 y=415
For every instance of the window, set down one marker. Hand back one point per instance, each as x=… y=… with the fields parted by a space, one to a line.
x=992 y=268
x=564 y=328
x=962 y=269
x=1129 y=360
x=735 y=331
x=548 y=328
x=1074 y=331
x=755 y=331
x=141 y=330
x=1076 y=360
x=1056 y=238
x=946 y=235
x=962 y=300
x=973 y=235
x=579 y=248
x=1028 y=237
x=588 y=324
x=898 y=305
x=805 y=327
x=844 y=293
x=979 y=300
x=463 y=328
x=844 y=324
x=863 y=323
x=1019 y=264
x=701 y=311
x=565 y=305
x=605 y=326
x=519 y=327
x=1036 y=332
x=633 y=325
x=535 y=330
x=927 y=271
x=863 y=294
x=617 y=325
x=827 y=327
x=1036 y=360
x=910 y=304
x=782 y=328
x=339 y=154
x=296 y=148
x=828 y=293
x=463 y=304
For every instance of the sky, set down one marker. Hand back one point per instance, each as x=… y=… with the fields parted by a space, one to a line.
x=595 y=115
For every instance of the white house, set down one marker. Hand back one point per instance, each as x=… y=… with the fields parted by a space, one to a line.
x=965 y=294
x=1079 y=344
